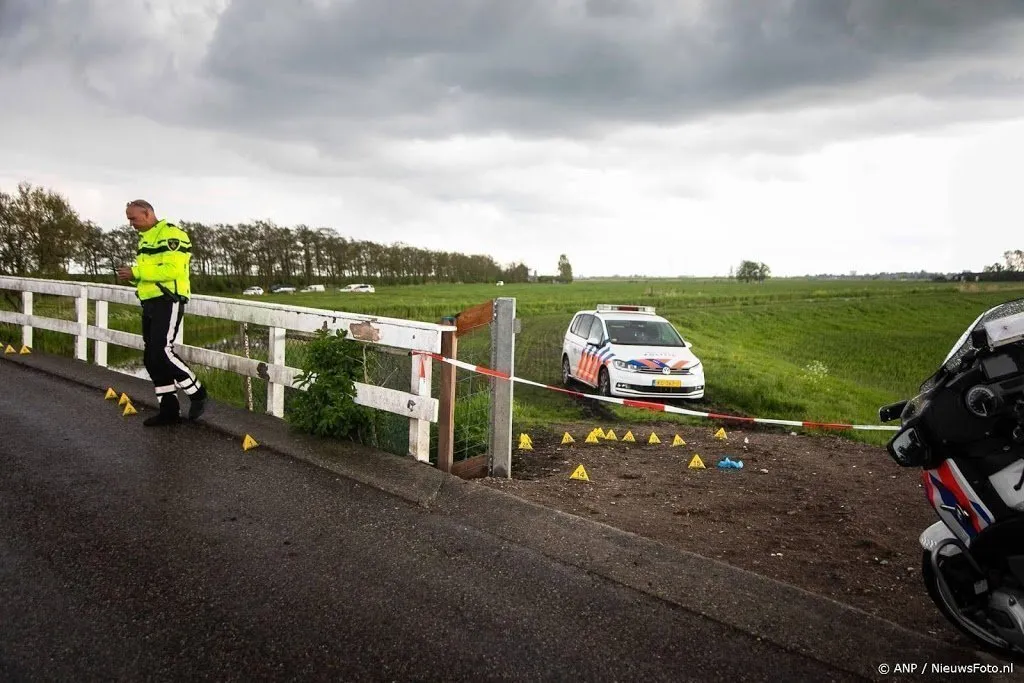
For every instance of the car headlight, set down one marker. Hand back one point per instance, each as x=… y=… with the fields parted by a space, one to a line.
x=623 y=365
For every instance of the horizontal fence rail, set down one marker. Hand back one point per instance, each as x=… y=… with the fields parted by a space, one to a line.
x=388 y=333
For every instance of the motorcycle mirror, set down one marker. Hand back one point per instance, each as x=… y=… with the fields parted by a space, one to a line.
x=892 y=411
x=979 y=338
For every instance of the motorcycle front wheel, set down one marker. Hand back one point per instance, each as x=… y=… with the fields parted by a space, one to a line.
x=947 y=606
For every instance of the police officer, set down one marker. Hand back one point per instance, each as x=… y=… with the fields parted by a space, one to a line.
x=161 y=278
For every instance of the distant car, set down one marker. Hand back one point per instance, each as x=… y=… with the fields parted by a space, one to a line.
x=253 y=291
x=629 y=351
x=314 y=288
x=366 y=289
x=501 y=283
x=282 y=289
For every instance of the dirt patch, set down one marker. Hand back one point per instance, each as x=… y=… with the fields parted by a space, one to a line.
x=836 y=518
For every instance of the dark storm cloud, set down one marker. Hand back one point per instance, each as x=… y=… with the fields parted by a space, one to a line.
x=337 y=71
x=467 y=65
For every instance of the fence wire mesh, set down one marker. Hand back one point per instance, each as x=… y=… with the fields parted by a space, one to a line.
x=380 y=366
x=472 y=398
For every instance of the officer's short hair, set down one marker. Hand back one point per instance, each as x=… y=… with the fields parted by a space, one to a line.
x=141 y=203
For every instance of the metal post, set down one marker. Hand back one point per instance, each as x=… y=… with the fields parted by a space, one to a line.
x=419 y=430
x=275 y=356
x=26 y=329
x=503 y=350
x=82 y=311
x=100 y=347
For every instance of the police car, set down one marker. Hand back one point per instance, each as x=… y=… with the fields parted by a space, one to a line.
x=628 y=351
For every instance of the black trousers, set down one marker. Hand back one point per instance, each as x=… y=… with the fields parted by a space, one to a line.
x=161 y=319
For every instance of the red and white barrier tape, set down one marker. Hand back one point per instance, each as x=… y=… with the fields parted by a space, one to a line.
x=648 y=405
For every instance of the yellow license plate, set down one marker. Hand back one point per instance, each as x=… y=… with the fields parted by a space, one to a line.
x=668 y=383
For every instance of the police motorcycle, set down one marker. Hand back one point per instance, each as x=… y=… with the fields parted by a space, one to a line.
x=965 y=430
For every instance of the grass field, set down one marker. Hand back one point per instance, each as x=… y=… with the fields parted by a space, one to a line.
x=823 y=350
x=788 y=348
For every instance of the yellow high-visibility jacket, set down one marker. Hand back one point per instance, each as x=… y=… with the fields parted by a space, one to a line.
x=163 y=261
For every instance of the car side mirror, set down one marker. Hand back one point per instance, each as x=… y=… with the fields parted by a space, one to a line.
x=594 y=341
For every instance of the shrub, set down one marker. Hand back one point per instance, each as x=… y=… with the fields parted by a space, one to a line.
x=327 y=408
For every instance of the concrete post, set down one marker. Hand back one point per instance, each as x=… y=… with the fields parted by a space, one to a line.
x=503 y=351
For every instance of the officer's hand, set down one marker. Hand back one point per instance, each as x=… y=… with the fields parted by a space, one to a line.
x=124 y=273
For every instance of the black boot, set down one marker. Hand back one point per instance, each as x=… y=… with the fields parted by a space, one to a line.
x=169 y=412
x=198 y=403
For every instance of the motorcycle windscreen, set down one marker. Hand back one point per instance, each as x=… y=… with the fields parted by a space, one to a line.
x=964 y=345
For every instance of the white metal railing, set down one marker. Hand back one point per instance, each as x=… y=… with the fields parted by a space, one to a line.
x=417 y=404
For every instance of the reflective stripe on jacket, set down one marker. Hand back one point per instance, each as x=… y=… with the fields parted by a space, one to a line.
x=162 y=263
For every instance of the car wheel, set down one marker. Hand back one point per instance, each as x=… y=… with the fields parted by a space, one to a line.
x=566 y=372
x=604 y=383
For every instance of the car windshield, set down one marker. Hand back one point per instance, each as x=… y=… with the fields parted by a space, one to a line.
x=643 y=333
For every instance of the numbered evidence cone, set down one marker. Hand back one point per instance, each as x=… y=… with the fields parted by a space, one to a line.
x=592 y=437
x=124 y=400
x=599 y=432
x=25 y=350
x=567 y=438
x=678 y=441
x=248 y=442
x=110 y=394
x=720 y=434
x=653 y=438
x=696 y=463
x=629 y=437
x=9 y=349
x=525 y=444
x=610 y=435
x=129 y=409
x=580 y=474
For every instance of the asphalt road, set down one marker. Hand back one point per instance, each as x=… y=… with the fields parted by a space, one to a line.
x=129 y=553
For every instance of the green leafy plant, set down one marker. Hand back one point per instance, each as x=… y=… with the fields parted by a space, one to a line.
x=327 y=407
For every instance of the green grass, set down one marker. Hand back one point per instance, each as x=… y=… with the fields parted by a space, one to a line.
x=793 y=349
x=821 y=350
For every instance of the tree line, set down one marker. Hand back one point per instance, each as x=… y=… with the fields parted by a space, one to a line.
x=41 y=235
x=1013 y=262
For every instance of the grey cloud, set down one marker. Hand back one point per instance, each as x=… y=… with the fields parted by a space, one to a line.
x=344 y=73
x=408 y=66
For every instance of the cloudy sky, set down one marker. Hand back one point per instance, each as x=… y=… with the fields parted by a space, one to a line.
x=659 y=137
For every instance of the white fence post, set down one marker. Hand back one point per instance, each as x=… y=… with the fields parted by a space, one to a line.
x=26 y=329
x=82 y=338
x=503 y=353
x=419 y=430
x=275 y=356
x=100 y=347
